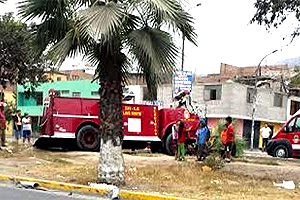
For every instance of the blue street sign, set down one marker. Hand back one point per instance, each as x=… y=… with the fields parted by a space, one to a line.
x=183 y=81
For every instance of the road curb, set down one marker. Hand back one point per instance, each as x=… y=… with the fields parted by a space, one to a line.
x=125 y=194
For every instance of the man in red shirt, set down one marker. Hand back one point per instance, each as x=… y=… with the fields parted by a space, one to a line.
x=229 y=138
x=2 y=122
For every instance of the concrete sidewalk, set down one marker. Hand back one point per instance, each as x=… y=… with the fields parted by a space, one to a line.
x=256 y=153
x=124 y=194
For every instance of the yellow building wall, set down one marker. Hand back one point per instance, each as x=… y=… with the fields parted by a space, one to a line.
x=54 y=76
x=9 y=98
x=276 y=127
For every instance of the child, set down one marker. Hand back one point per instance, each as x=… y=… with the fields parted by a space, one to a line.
x=26 y=127
x=181 y=140
x=229 y=138
x=202 y=137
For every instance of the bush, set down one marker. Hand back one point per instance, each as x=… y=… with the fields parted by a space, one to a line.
x=240 y=143
x=214 y=161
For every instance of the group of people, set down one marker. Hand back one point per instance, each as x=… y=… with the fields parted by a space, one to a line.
x=21 y=125
x=203 y=135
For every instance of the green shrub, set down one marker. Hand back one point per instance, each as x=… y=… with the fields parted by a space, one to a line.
x=240 y=143
x=214 y=161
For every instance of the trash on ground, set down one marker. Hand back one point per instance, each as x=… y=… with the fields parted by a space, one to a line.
x=6 y=149
x=290 y=185
x=27 y=184
x=112 y=189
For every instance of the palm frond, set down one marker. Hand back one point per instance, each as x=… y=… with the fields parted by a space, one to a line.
x=55 y=17
x=172 y=13
x=2 y=1
x=44 y=9
x=104 y=19
x=153 y=48
x=76 y=42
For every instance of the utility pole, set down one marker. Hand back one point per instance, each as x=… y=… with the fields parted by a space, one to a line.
x=183 y=40
x=255 y=97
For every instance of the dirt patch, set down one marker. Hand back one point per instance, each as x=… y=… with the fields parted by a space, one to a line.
x=245 y=178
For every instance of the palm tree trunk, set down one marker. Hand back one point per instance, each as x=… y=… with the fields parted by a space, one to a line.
x=111 y=166
x=151 y=85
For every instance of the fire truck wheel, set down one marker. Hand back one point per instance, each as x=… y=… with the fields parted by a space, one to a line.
x=281 y=151
x=88 y=138
x=170 y=145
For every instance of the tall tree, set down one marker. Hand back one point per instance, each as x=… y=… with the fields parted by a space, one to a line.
x=272 y=13
x=18 y=63
x=107 y=33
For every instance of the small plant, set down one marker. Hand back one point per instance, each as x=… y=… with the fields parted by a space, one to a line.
x=214 y=161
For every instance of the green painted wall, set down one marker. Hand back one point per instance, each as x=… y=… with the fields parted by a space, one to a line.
x=85 y=87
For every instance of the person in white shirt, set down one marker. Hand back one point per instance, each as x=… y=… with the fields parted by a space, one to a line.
x=26 y=127
x=265 y=133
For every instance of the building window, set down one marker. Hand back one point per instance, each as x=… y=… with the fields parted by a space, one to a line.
x=95 y=93
x=278 y=100
x=76 y=94
x=65 y=92
x=250 y=95
x=39 y=98
x=212 y=92
x=58 y=78
x=295 y=106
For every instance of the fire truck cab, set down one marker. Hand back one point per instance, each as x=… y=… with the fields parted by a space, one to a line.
x=285 y=143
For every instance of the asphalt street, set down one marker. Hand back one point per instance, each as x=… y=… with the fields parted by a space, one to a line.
x=13 y=192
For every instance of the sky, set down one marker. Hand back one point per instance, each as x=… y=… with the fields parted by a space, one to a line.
x=224 y=36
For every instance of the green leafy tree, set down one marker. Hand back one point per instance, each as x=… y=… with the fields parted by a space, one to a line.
x=18 y=62
x=272 y=13
x=295 y=80
x=108 y=33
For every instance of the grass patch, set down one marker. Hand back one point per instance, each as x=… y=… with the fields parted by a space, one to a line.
x=189 y=180
x=183 y=179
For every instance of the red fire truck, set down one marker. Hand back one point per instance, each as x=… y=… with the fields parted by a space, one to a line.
x=285 y=143
x=143 y=125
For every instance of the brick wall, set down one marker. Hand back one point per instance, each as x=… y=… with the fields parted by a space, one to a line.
x=228 y=72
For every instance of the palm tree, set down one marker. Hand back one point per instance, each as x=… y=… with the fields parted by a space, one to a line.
x=112 y=34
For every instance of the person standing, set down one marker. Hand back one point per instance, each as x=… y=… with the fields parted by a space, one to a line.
x=175 y=137
x=229 y=132
x=265 y=133
x=2 y=122
x=17 y=125
x=181 y=141
x=26 y=127
x=202 y=138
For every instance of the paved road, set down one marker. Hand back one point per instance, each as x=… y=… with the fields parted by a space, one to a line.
x=12 y=192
